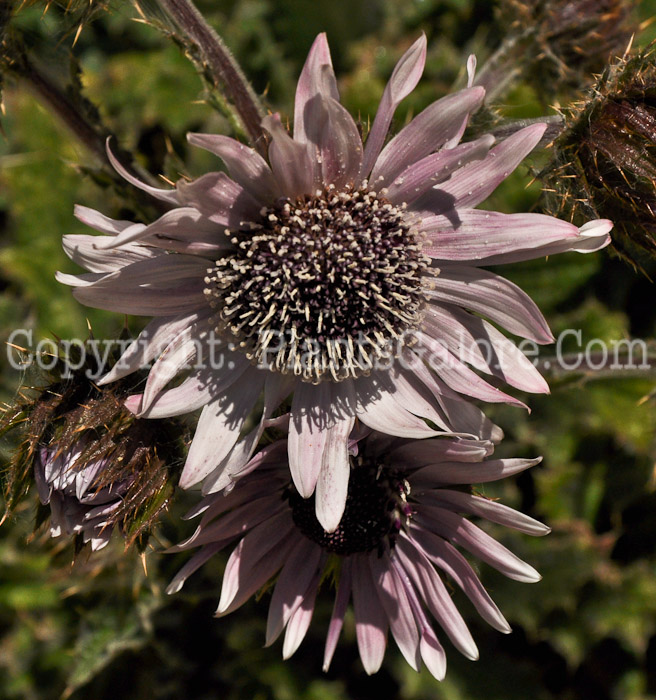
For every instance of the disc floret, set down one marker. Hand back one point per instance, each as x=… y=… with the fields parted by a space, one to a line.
x=376 y=511
x=321 y=287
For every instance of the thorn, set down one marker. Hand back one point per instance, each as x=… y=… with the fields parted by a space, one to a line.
x=139 y=10
x=16 y=347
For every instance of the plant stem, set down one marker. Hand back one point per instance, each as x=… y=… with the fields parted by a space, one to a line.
x=601 y=364
x=223 y=67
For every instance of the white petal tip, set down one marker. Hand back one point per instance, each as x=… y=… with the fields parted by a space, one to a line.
x=598 y=227
x=328 y=523
x=530 y=576
x=188 y=480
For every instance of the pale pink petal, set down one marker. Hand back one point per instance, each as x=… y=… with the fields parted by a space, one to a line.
x=291 y=587
x=170 y=196
x=456 y=410
x=461 y=531
x=370 y=618
x=591 y=237
x=317 y=77
x=433 y=654
x=475 y=182
x=426 y=133
x=413 y=396
x=380 y=410
x=339 y=144
x=218 y=428
x=394 y=600
x=308 y=433
x=339 y=610
x=458 y=473
x=238 y=462
x=424 y=452
x=492 y=296
x=485 y=508
x=166 y=285
x=471 y=71
x=179 y=224
x=257 y=557
x=476 y=234
x=290 y=161
x=457 y=375
x=237 y=522
x=178 y=357
x=245 y=166
x=332 y=484
x=150 y=343
x=475 y=341
x=219 y=199
x=201 y=557
x=299 y=622
x=402 y=82
x=471 y=419
x=453 y=563
x=100 y=222
x=436 y=596
x=433 y=169
x=196 y=391
x=84 y=251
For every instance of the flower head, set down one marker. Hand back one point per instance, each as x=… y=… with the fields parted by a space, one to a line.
x=403 y=521
x=348 y=275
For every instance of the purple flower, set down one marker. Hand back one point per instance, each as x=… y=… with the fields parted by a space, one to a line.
x=348 y=275
x=402 y=525
x=79 y=504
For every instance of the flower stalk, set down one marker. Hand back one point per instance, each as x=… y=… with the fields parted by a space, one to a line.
x=225 y=70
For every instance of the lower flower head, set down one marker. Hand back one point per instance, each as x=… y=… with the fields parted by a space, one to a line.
x=402 y=522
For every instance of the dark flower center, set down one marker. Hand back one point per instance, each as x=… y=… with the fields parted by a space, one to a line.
x=321 y=287
x=376 y=510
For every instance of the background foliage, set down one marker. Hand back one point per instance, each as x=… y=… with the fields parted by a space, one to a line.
x=99 y=627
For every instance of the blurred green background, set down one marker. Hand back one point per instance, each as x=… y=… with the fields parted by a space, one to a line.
x=99 y=627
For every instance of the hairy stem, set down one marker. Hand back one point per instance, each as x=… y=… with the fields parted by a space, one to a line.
x=225 y=70
x=601 y=364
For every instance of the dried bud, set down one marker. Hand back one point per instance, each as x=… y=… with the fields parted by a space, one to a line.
x=95 y=464
x=604 y=162
x=567 y=41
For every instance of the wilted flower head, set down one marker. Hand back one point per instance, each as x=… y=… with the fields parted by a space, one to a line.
x=348 y=274
x=95 y=464
x=401 y=532
x=604 y=163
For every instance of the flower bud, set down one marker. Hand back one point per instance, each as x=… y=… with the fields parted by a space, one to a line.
x=565 y=42
x=604 y=162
